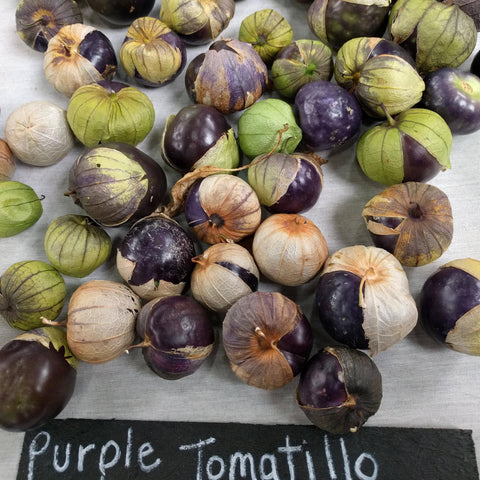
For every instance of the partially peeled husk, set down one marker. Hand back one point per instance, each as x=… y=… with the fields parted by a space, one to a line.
x=389 y=309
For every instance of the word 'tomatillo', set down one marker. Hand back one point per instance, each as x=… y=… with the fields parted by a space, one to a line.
x=71 y=459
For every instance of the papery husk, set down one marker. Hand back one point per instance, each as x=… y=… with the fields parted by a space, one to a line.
x=389 y=310
x=7 y=161
x=388 y=82
x=67 y=73
x=268 y=31
x=38 y=133
x=254 y=322
x=420 y=241
x=289 y=249
x=218 y=278
x=101 y=320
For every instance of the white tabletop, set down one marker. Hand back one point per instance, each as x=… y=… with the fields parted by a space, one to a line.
x=424 y=383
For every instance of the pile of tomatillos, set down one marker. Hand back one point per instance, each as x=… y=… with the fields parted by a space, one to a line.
x=378 y=76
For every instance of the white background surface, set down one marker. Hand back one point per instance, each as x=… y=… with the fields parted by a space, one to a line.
x=425 y=384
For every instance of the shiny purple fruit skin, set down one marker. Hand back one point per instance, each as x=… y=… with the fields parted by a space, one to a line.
x=327 y=114
x=194 y=212
x=302 y=193
x=446 y=295
x=194 y=130
x=297 y=344
x=339 y=312
x=455 y=96
x=36 y=383
x=97 y=48
x=174 y=326
x=320 y=383
x=160 y=249
x=121 y=12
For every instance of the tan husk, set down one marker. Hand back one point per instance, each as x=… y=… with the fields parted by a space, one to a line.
x=389 y=310
x=7 y=161
x=289 y=249
x=251 y=330
x=216 y=286
x=101 y=320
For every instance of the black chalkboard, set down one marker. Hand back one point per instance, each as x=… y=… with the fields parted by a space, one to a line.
x=120 y=450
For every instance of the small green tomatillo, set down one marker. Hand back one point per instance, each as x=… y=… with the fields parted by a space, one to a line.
x=20 y=207
x=268 y=126
x=267 y=31
x=109 y=111
x=75 y=246
x=413 y=146
x=30 y=290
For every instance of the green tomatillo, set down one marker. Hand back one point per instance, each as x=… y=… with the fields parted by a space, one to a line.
x=20 y=207
x=437 y=34
x=109 y=111
x=267 y=31
x=75 y=245
x=30 y=290
x=413 y=146
x=268 y=126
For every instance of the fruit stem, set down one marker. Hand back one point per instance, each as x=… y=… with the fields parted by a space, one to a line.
x=390 y=119
x=53 y=323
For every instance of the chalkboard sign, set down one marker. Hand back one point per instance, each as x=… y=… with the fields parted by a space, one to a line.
x=121 y=450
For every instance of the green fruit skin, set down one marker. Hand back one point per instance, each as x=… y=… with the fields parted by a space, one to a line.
x=262 y=125
x=31 y=289
x=20 y=208
x=75 y=246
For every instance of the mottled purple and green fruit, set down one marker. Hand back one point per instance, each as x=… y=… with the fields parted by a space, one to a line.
x=229 y=76
x=117 y=183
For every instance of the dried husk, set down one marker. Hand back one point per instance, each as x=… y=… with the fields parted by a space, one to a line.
x=66 y=73
x=7 y=161
x=223 y=273
x=251 y=329
x=101 y=320
x=420 y=240
x=363 y=386
x=37 y=21
x=234 y=201
x=230 y=77
x=38 y=133
x=389 y=310
x=289 y=249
